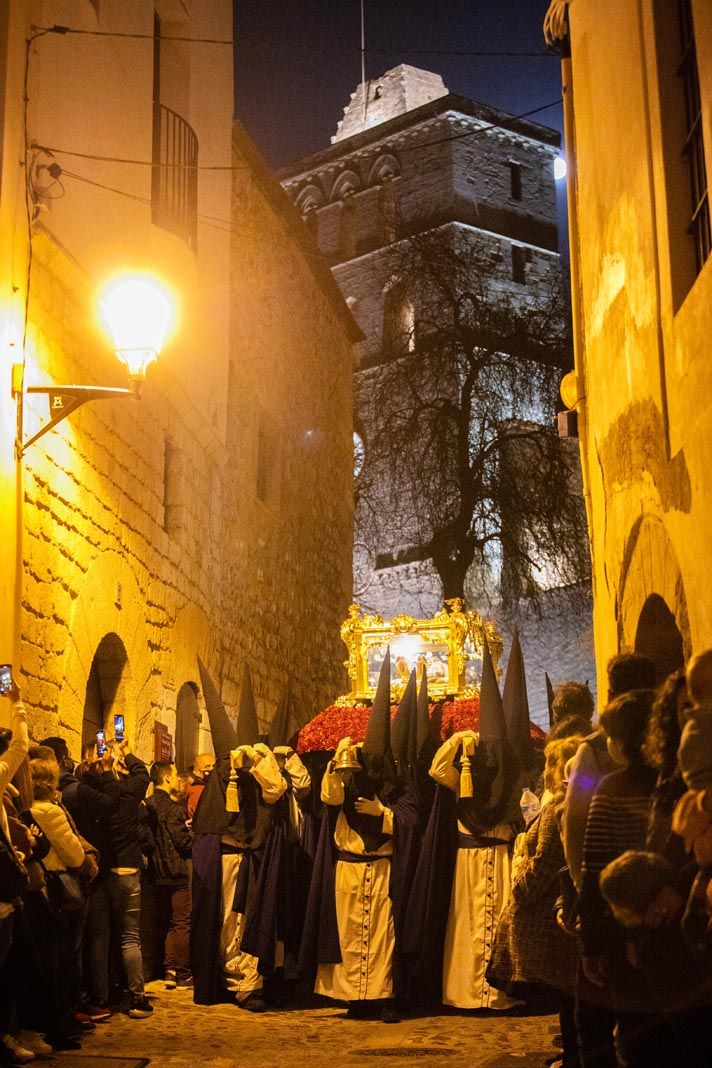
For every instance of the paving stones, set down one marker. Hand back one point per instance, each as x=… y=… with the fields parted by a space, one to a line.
x=182 y=1035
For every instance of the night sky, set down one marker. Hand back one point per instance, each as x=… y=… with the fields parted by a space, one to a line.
x=298 y=61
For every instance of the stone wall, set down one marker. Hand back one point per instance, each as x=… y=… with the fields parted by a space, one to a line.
x=288 y=562
x=97 y=559
x=143 y=536
x=643 y=351
x=447 y=165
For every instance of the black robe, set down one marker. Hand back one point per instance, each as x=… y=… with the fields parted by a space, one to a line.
x=495 y=801
x=250 y=827
x=320 y=940
x=277 y=908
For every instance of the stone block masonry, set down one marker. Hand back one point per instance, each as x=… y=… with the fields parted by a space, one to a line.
x=147 y=539
x=422 y=159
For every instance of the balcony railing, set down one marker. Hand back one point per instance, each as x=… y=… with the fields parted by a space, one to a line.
x=174 y=188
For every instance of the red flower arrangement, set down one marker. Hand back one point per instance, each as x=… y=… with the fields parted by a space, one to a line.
x=327 y=728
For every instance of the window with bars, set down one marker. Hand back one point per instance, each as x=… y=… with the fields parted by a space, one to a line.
x=682 y=146
x=174 y=184
x=694 y=148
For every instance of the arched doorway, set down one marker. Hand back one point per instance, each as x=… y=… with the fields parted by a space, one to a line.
x=106 y=689
x=187 y=726
x=658 y=636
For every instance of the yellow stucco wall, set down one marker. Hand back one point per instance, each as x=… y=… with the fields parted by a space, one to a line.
x=102 y=551
x=644 y=364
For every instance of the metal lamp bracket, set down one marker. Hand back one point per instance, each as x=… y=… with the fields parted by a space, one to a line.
x=63 y=400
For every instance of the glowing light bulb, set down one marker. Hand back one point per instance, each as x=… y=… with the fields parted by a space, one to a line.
x=138 y=311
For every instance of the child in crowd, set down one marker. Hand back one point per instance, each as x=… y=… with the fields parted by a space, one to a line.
x=646 y=896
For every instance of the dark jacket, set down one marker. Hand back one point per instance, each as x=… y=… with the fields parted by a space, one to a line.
x=123 y=845
x=91 y=803
x=173 y=839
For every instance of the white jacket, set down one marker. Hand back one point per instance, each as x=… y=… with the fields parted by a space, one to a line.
x=66 y=849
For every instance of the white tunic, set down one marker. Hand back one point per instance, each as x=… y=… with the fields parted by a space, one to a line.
x=363 y=912
x=480 y=890
x=240 y=969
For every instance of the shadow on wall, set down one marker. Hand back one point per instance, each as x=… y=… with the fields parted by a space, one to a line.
x=634 y=444
x=659 y=637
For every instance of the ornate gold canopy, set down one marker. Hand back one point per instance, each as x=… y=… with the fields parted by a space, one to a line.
x=450 y=646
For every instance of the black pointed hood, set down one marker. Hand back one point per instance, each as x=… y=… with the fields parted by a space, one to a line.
x=493 y=726
x=423 y=729
x=404 y=726
x=248 y=728
x=222 y=730
x=377 y=742
x=492 y=764
x=280 y=727
x=376 y=752
x=516 y=706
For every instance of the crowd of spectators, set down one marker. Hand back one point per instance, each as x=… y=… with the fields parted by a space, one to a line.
x=610 y=912
x=81 y=848
x=611 y=904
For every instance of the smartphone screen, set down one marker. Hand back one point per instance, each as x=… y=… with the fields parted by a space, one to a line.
x=119 y=727
x=100 y=743
x=6 y=682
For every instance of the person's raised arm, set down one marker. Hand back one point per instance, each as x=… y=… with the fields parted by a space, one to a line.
x=300 y=777
x=19 y=743
x=265 y=770
x=443 y=768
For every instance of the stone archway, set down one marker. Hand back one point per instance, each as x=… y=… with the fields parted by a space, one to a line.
x=652 y=606
x=110 y=602
x=108 y=684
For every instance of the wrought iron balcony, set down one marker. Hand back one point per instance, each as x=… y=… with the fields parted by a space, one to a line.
x=174 y=187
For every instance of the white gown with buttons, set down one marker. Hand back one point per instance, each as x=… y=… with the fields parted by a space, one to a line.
x=481 y=888
x=363 y=912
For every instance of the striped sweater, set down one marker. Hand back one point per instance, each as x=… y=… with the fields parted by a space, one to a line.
x=617 y=821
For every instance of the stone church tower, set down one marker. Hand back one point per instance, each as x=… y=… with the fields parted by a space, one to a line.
x=407 y=157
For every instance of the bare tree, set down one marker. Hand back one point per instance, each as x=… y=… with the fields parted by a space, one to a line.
x=462 y=456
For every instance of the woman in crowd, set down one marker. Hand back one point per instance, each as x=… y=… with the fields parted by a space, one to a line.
x=669 y=715
x=618 y=821
x=530 y=946
x=46 y=908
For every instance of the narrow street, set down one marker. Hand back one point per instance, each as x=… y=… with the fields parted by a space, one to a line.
x=181 y=1034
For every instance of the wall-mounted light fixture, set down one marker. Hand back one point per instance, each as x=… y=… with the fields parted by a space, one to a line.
x=137 y=311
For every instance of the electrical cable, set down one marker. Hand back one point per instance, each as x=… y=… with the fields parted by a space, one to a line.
x=138 y=162
x=476 y=53
x=222 y=226
x=218 y=167
x=207 y=219
x=64 y=30
x=480 y=129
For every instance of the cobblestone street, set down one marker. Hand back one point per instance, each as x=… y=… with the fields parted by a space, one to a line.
x=181 y=1034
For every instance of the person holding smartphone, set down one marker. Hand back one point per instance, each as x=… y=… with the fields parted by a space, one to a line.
x=115 y=904
x=14 y=744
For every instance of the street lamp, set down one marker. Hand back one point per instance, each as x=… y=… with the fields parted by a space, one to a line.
x=138 y=312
